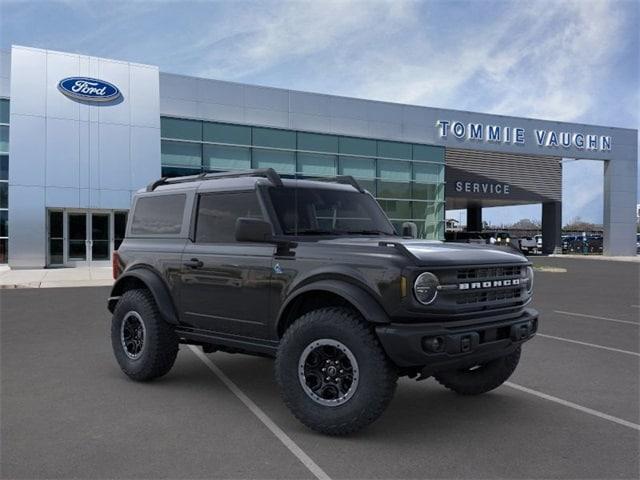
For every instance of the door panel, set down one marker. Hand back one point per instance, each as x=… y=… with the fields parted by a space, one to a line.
x=229 y=293
x=100 y=237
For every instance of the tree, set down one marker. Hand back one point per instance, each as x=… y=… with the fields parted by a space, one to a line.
x=526 y=224
x=578 y=225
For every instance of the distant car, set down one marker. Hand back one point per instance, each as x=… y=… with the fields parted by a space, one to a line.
x=528 y=245
x=638 y=243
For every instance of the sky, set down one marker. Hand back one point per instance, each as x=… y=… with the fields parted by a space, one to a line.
x=574 y=61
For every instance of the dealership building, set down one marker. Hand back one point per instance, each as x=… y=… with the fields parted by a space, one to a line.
x=79 y=135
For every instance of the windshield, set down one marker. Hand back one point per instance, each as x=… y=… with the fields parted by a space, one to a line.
x=317 y=211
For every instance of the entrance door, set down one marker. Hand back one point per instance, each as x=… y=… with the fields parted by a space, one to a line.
x=81 y=238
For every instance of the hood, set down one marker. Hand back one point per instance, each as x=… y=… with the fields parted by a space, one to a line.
x=437 y=253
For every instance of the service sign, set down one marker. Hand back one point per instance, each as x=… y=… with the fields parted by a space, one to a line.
x=88 y=89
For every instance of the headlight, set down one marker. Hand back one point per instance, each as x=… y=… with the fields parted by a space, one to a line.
x=425 y=288
x=529 y=279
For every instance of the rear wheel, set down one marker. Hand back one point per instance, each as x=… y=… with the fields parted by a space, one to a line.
x=332 y=372
x=480 y=378
x=144 y=345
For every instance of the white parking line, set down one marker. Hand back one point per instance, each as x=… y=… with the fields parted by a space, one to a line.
x=588 y=344
x=596 y=317
x=575 y=406
x=263 y=417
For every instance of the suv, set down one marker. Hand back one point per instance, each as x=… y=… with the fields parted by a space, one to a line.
x=313 y=274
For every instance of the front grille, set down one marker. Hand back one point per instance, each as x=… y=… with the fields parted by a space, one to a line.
x=490 y=272
x=489 y=296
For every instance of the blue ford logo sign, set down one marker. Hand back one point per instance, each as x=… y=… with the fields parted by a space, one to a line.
x=89 y=89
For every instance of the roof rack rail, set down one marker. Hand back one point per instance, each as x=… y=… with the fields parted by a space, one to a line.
x=269 y=173
x=349 y=180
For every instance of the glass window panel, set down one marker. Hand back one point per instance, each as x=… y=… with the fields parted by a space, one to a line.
x=218 y=212
x=56 y=251
x=119 y=228
x=4 y=252
x=369 y=185
x=4 y=167
x=158 y=214
x=225 y=133
x=426 y=191
x=315 y=164
x=317 y=143
x=179 y=171
x=4 y=111
x=4 y=139
x=4 y=195
x=280 y=160
x=396 y=209
x=394 y=150
x=181 y=154
x=428 y=153
x=55 y=224
x=393 y=170
x=271 y=137
x=358 y=146
x=360 y=168
x=77 y=236
x=4 y=223
x=220 y=157
x=427 y=172
x=394 y=189
x=178 y=128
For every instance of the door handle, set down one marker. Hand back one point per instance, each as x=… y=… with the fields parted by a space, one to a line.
x=194 y=263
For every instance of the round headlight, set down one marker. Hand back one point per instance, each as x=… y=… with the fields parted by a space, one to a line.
x=529 y=279
x=425 y=288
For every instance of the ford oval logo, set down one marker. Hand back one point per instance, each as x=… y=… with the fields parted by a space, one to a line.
x=89 y=89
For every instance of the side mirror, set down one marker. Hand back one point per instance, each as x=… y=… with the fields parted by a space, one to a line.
x=409 y=229
x=253 y=230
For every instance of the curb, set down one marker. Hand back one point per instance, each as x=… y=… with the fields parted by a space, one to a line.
x=57 y=284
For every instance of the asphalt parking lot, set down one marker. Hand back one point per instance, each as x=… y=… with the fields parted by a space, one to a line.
x=570 y=411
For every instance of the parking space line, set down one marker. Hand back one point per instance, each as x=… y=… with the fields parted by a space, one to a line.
x=263 y=417
x=562 y=339
x=596 y=317
x=575 y=406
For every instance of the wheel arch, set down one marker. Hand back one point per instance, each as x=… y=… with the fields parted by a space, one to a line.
x=144 y=277
x=326 y=293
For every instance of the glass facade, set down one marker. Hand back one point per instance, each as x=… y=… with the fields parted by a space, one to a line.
x=4 y=180
x=407 y=179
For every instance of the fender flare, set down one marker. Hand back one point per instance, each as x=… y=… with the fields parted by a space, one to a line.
x=155 y=284
x=363 y=301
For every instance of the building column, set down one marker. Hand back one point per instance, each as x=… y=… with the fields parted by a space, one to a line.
x=620 y=198
x=552 y=227
x=474 y=218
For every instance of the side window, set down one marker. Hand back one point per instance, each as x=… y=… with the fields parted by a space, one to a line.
x=218 y=212
x=158 y=215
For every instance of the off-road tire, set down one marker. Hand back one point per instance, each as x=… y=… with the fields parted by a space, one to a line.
x=160 y=345
x=483 y=379
x=377 y=375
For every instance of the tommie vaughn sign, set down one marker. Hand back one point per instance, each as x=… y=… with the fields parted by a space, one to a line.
x=516 y=135
x=88 y=89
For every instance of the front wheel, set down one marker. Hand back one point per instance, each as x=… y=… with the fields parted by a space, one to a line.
x=332 y=372
x=480 y=378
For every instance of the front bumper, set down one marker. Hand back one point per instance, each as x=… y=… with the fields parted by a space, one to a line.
x=457 y=344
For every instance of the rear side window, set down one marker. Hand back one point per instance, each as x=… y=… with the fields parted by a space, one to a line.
x=218 y=212
x=158 y=215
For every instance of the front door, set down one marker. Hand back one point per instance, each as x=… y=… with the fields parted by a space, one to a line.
x=225 y=284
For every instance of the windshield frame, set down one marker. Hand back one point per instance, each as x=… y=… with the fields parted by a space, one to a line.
x=265 y=194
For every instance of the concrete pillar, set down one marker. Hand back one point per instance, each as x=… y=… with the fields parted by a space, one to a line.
x=552 y=227
x=620 y=198
x=474 y=218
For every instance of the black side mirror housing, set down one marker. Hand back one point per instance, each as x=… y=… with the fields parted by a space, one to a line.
x=409 y=229
x=253 y=230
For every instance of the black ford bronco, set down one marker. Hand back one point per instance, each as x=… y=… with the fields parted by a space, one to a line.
x=313 y=274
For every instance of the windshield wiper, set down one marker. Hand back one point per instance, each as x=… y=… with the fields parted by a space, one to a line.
x=367 y=232
x=315 y=231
